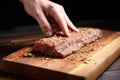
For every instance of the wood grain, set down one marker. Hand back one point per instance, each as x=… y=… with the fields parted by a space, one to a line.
x=87 y=65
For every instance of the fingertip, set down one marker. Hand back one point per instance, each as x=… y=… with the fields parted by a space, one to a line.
x=67 y=34
x=76 y=30
x=47 y=30
x=48 y=33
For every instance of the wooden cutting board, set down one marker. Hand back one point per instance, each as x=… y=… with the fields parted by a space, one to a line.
x=87 y=64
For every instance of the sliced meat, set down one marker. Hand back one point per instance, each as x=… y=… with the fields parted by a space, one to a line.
x=60 y=46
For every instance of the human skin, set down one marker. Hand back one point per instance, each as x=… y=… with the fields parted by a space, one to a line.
x=44 y=11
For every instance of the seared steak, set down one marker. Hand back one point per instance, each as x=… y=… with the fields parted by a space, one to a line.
x=60 y=46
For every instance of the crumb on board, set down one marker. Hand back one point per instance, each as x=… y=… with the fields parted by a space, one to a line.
x=28 y=54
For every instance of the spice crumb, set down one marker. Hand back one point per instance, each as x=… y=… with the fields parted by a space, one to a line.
x=85 y=62
x=47 y=58
x=27 y=55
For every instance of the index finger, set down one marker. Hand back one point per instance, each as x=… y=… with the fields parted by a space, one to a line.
x=59 y=18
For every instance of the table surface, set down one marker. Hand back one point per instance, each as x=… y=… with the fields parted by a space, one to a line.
x=112 y=73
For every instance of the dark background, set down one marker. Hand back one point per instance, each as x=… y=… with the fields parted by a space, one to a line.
x=104 y=14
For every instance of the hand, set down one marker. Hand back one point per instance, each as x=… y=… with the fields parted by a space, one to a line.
x=44 y=11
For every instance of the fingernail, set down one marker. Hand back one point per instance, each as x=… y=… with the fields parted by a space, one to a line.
x=48 y=33
x=77 y=30
x=68 y=34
